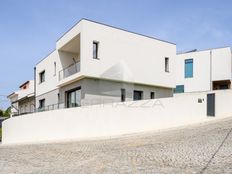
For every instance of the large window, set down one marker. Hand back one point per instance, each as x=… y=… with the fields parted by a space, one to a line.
x=123 y=95
x=95 y=49
x=138 y=95
x=179 y=89
x=42 y=77
x=188 y=68
x=166 y=64
x=74 y=98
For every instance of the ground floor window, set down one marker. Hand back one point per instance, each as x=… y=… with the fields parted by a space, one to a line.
x=42 y=104
x=179 y=89
x=152 y=95
x=138 y=95
x=73 y=98
x=123 y=95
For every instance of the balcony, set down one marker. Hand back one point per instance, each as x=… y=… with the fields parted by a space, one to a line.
x=70 y=70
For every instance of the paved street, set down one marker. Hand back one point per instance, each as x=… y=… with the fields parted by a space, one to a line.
x=206 y=148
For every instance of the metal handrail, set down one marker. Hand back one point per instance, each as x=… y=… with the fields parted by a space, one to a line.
x=70 y=70
x=51 y=107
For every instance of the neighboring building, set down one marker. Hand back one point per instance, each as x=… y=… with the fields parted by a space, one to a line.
x=203 y=70
x=22 y=101
x=95 y=63
x=1 y=120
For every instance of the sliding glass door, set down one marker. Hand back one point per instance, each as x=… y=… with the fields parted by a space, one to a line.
x=74 y=98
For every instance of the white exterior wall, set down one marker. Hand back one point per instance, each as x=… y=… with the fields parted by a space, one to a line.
x=51 y=80
x=124 y=56
x=222 y=64
x=221 y=69
x=112 y=120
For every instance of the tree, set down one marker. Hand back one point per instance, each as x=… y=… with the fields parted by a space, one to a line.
x=7 y=112
x=1 y=113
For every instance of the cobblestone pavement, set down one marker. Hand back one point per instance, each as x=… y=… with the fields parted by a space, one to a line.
x=205 y=148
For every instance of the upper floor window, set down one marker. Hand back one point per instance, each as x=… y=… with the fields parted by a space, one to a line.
x=95 y=49
x=188 y=68
x=42 y=77
x=54 y=68
x=166 y=64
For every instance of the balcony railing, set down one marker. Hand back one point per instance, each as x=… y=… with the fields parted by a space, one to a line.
x=70 y=70
x=51 y=107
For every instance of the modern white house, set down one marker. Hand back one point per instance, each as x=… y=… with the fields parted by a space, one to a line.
x=205 y=70
x=94 y=63
x=22 y=101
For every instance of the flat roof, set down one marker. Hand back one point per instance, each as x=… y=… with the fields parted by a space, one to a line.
x=208 y=49
x=115 y=28
x=107 y=26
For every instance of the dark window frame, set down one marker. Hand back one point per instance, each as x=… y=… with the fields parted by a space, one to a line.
x=167 y=61
x=42 y=103
x=42 y=76
x=123 y=95
x=54 y=68
x=141 y=95
x=152 y=95
x=95 y=46
x=67 y=96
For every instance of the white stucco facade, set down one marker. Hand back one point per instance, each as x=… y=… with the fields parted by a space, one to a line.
x=209 y=66
x=100 y=121
x=126 y=67
x=123 y=57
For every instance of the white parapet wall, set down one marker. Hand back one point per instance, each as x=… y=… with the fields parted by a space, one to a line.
x=114 y=119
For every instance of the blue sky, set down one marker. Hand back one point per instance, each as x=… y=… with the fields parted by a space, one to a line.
x=30 y=28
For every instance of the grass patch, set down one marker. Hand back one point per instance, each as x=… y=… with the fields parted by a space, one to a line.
x=0 y=134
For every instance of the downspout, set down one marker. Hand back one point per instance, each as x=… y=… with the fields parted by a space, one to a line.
x=211 y=70
x=35 y=89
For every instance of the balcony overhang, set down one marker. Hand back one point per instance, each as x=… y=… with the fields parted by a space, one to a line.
x=70 y=79
x=73 y=46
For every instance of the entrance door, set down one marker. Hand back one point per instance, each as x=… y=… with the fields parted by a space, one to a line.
x=74 y=98
x=211 y=105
